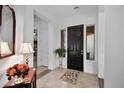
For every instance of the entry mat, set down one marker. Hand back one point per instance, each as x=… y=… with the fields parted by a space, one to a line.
x=70 y=76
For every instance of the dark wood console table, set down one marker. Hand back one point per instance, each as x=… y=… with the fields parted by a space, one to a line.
x=30 y=84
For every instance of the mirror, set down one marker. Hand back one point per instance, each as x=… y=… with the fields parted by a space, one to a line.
x=90 y=42
x=7 y=31
x=63 y=39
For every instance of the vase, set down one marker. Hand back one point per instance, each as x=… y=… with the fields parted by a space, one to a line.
x=19 y=79
x=60 y=62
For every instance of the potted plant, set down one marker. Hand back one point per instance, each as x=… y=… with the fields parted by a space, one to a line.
x=61 y=53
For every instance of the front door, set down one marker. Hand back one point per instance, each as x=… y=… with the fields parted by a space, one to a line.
x=75 y=47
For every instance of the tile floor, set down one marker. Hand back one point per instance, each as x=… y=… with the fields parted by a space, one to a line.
x=41 y=69
x=52 y=80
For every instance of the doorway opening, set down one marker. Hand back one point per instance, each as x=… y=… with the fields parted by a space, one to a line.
x=40 y=46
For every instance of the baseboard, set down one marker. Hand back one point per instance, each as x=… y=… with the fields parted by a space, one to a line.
x=101 y=82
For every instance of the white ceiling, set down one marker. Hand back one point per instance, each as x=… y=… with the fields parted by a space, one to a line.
x=63 y=11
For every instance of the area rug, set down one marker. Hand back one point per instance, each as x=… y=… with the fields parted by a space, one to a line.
x=70 y=76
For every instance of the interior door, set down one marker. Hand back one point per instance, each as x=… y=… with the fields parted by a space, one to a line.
x=75 y=47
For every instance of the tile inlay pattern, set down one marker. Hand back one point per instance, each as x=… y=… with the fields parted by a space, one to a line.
x=70 y=76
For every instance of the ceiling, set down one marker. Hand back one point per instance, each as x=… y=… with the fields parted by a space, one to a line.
x=63 y=11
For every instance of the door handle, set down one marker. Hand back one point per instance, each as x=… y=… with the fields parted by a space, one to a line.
x=81 y=52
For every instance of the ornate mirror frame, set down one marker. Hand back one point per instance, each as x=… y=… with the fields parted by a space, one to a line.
x=14 y=29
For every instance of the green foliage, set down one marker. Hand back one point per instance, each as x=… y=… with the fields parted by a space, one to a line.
x=60 y=52
x=18 y=73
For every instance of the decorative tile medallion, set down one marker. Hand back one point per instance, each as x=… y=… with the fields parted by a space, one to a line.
x=70 y=76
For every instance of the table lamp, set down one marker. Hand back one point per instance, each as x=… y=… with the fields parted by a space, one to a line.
x=4 y=49
x=26 y=49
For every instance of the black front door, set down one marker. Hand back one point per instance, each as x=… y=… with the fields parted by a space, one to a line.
x=75 y=47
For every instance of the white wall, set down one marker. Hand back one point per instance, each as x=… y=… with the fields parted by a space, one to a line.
x=28 y=31
x=29 y=28
x=89 y=66
x=10 y=61
x=51 y=40
x=42 y=28
x=114 y=46
x=101 y=41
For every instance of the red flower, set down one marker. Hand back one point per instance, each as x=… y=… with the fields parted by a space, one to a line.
x=22 y=67
x=11 y=71
x=25 y=66
x=15 y=66
x=18 y=69
x=8 y=69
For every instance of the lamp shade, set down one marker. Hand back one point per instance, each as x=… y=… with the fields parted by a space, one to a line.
x=26 y=48
x=4 y=48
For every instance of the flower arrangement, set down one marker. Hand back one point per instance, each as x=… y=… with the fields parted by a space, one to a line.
x=17 y=70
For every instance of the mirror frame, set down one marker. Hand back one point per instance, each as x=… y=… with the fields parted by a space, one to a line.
x=14 y=29
x=62 y=32
x=91 y=25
